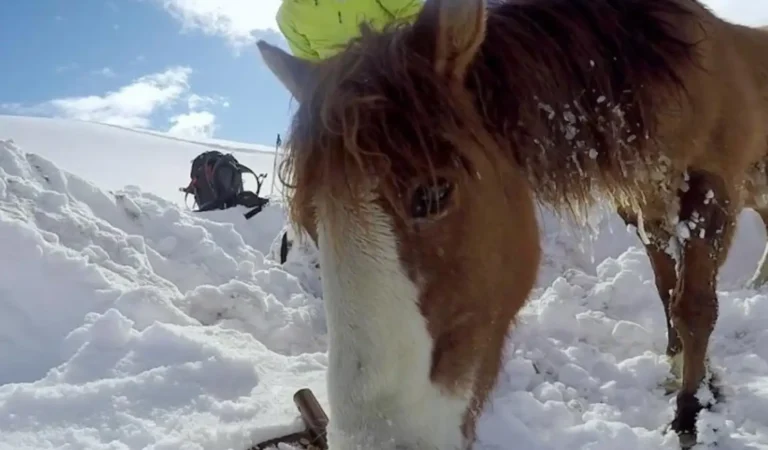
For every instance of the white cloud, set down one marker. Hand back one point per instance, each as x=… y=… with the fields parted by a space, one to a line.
x=131 y=105
x=235 y=20
x=193 y=125
x=135 y=104
x=745 y=12
x=195 y=101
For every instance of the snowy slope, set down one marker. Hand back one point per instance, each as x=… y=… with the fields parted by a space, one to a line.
x=128 y=323
x=113 y=157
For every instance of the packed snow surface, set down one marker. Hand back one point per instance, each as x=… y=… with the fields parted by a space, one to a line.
x=113 y=157
x=127 y=322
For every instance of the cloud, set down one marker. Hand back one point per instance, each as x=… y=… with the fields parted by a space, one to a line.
x=197 y=124
x=195 y=101
x=137 y=104
x=744 y=12
x=193 y=125
x=104 y=72
x=235 y=20
x=131 y=105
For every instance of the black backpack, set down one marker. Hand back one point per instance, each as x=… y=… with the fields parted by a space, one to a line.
x=216 y=182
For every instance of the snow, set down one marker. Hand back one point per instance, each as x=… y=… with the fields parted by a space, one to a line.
x=127 y=322
x=113 y=157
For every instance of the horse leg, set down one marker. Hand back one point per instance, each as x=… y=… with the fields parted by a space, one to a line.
x=660 y=245
x=706 y=226
x=761 y=274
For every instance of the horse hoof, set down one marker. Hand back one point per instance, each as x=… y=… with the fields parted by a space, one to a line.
x=687 y=440
x=684 y=423
x=688 y=408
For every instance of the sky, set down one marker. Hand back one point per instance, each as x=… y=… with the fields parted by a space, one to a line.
x=188 y=67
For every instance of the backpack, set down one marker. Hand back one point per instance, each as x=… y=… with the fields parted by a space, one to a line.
x=216 y=182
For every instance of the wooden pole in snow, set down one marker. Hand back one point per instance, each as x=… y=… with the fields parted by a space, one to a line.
x=315 y=423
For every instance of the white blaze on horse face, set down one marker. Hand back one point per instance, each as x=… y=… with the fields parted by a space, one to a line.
x=379 y=386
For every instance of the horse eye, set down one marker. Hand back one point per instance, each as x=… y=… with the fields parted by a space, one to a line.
x=430 y=200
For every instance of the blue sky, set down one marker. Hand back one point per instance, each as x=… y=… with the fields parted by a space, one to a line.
x=162 y=64
x=189 y=67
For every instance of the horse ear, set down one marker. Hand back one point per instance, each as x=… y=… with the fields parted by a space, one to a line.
x=458 y=30
x=293 y=72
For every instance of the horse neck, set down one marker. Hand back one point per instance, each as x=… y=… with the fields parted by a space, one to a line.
x=751 y=45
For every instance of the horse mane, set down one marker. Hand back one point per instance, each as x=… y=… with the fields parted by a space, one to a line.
x=571 y=90
x=583 y=118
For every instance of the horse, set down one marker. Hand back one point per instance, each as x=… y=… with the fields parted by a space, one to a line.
x=418 y=151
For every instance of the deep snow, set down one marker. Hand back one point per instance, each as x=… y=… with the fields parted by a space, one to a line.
x=127 y=322
x=113 y=157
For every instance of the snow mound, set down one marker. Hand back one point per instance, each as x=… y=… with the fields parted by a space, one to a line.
x=584 y=367
x=127 y=322
x=113 y=157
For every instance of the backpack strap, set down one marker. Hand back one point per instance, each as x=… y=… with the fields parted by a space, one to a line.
x=285 y=247
x=245 y=169
x=251 y=200
x=189 y=189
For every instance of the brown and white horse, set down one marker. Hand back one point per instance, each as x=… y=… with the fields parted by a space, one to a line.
x=416 y=156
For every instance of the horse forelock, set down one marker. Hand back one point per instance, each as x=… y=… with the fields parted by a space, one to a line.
x=379 y=117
